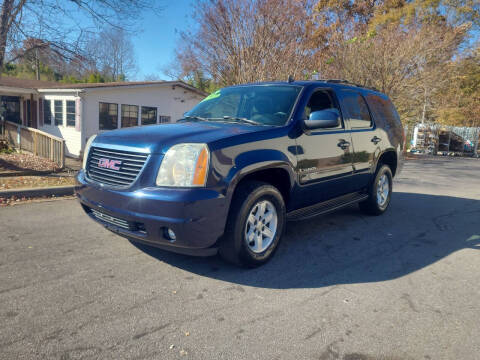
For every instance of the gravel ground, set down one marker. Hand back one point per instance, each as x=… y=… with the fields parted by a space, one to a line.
x=345 y=286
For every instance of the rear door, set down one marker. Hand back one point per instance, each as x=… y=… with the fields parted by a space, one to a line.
x=324 y=155
x=366 y=141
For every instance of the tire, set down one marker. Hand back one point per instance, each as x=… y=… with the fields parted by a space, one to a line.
x=244 y=222
x=378 y=200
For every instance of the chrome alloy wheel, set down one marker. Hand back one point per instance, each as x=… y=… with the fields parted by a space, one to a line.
x=383 y=190
x=261 y=226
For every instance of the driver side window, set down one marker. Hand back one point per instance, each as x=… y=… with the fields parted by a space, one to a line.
x=322 y=100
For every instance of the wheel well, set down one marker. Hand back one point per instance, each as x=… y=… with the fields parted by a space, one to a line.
x=389 y=158
x=276 y=177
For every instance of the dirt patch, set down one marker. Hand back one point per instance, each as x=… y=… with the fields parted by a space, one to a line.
x=20 y=182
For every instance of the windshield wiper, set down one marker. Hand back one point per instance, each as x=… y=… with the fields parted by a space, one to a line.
x=195 y=118
x=241 y=120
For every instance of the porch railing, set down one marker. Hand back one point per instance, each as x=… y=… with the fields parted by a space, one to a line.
x=36 y=141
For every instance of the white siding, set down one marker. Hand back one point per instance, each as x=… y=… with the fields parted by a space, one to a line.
x=73 y=138
x=169 y=101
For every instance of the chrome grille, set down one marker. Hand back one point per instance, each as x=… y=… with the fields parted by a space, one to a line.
x=111 y=219
x=131 y=163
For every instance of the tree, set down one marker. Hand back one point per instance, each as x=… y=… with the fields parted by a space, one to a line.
x=239 y=41
x=75 y=21
x=403 y=48
x=408 y=64
x=459 y=100
x=112 y=54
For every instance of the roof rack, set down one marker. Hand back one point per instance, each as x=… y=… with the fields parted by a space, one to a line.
x=346 y=82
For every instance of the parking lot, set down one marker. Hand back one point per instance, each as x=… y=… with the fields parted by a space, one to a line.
x=344 y=286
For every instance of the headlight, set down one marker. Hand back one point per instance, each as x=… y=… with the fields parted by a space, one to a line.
x=87 y=149
x=184 y=165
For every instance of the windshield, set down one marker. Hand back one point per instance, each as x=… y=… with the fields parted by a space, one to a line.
x=252 y=104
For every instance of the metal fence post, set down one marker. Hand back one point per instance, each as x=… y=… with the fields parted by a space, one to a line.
x=19 y=137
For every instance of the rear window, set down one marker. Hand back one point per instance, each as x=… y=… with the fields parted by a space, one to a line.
x=383 y=111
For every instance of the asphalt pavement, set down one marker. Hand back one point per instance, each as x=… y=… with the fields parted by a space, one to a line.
x=348 y=286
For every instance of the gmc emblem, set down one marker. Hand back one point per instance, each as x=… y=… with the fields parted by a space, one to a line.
x=109 y=164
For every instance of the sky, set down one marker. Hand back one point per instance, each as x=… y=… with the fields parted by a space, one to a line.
x=155 y=45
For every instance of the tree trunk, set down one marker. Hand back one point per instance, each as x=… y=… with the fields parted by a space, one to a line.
x=7 y=7
x=37 y=65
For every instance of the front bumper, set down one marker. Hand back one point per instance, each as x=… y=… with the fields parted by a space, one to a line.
x=197 y=216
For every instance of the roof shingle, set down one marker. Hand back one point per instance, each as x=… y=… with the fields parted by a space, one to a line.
x=39 y=84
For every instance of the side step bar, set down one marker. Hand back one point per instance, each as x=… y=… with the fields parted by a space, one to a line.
x=326 y=206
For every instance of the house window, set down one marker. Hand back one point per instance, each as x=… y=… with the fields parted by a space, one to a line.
x=164 y=119
x=10 y=108
x=28 y=113
x=129 y=115
x=70 y=113
x=108 y=116
x=58 y=104
x=47 y=112
x=149 y=115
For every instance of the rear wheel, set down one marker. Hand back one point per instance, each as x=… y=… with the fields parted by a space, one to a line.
x=380 y=192
x=255 y=225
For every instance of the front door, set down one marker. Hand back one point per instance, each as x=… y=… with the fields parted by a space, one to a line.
x=365 y=136
x=324 y=155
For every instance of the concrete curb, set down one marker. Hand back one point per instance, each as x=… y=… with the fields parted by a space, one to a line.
x=38 y=192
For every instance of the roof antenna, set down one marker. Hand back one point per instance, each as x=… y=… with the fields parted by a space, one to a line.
x=290 y=79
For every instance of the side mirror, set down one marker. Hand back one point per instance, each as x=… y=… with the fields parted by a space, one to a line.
x=322 y=119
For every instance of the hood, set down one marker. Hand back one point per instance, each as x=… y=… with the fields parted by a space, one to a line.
x=159 y=138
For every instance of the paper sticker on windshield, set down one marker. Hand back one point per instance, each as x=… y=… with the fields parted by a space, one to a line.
x=212 y=96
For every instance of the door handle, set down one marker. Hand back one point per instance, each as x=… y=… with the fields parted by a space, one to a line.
x=343 y=144
x=376 y=140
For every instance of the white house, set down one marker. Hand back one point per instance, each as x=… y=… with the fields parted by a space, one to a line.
x=74 y=112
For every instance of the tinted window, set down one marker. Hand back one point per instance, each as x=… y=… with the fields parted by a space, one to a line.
x=383 y=111
x=356 y=110
x=108 y=116
x=321 y=100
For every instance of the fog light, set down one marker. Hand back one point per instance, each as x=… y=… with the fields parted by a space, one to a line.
x=170 y=234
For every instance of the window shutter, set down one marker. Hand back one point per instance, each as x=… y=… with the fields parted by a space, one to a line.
x=78 y=114
x=40 y=112
x=24 y=119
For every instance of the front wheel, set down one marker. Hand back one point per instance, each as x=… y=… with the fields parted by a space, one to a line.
x=255 y=225
x=380 y=192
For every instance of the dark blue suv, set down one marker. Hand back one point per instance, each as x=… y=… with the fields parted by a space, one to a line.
x=228 y=176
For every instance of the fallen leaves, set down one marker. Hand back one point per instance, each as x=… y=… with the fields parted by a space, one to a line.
x=18 y=182
x=13 y=200
x=21 y=162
